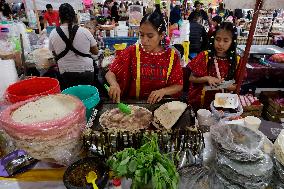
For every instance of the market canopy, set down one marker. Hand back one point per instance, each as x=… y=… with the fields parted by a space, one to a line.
x=40 y=4
x=250 y=4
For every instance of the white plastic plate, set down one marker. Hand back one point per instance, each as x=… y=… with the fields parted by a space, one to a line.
x=226 y=100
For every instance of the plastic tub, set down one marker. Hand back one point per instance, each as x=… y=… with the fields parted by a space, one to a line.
x=88 y=94
x=29 y=88
x=49 y=29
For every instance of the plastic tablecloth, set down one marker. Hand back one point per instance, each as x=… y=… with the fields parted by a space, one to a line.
x=43 y=176
x=265 y=75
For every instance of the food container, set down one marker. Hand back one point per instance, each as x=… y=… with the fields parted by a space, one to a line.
x=226 y=100
x=237 y=142
x=75 y=175
x=122 y=23
x=252 y=122
x=48 y=128
x=88 y=94
x=204 y=116
x=33 y=87
x=122 y=31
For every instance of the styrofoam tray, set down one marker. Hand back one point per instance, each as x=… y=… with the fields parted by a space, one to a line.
x=226 y=100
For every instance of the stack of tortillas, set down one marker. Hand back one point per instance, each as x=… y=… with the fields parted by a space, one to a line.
x=279 y=147
x=168 y=114
x=48 y=127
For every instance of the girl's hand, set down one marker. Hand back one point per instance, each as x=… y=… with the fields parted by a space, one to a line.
x=114 y=93
x=213 y=81
x=232 y=87
x=156 y=96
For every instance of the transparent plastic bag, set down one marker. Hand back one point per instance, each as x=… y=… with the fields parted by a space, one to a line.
x=43 y=57
x=197 y=177
x=279 y=147
x=249 y=174
x=279 y=170
x=237 y=142
x=6 y=144
x=55 y=140
x=209 y=152
x=226 y=115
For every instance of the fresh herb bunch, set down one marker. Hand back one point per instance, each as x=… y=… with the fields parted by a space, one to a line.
x=145 y=165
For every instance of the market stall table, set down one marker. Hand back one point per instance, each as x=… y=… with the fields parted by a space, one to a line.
x=264 y=76
x=270 y=129
x=43 y=175
x=262 y=49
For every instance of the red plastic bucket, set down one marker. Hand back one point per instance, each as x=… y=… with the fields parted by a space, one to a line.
x=29 y=88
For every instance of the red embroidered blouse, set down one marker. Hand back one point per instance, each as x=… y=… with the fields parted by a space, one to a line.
x=198 y=67
x=154 y=68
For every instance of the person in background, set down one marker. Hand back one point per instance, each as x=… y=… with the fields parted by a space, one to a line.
x=105 y=10
x=239 y=13
x=275 y=14
x=249 y=16
x=212 y=67
x=16 y=7
x=198 y=11
x=126 y=6
x=197 y=37
x=149 y=70
x=114 y=12
x=121 y=9
x=216 y=20
x=41 y=22
x=202 y=6
x=221 y=11
x=91 y=26
x=231 y=18
x=71 y=46
x=51 y=17
x=5 y=9
x=210 y=15
x=164 y=9
x=175 y=15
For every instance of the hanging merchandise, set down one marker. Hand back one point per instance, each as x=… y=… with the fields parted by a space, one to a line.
x=40 y=4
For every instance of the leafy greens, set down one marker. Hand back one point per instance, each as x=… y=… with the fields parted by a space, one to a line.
x=145 y=165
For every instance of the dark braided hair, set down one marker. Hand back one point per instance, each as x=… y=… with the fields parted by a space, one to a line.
x=231 y=53
x=67 y=15
x=157 y=20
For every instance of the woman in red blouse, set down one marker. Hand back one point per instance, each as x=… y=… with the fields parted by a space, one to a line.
x=147 y=70
x=214 y=66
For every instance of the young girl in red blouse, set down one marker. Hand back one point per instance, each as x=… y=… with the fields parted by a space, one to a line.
x=214 y=66
x=147 y=70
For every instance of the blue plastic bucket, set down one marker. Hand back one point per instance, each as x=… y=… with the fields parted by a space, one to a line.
x=88 y=94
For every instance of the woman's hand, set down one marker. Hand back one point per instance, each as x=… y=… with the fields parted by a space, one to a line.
x=213 y=81
x=156 y=96
x=114 y=93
